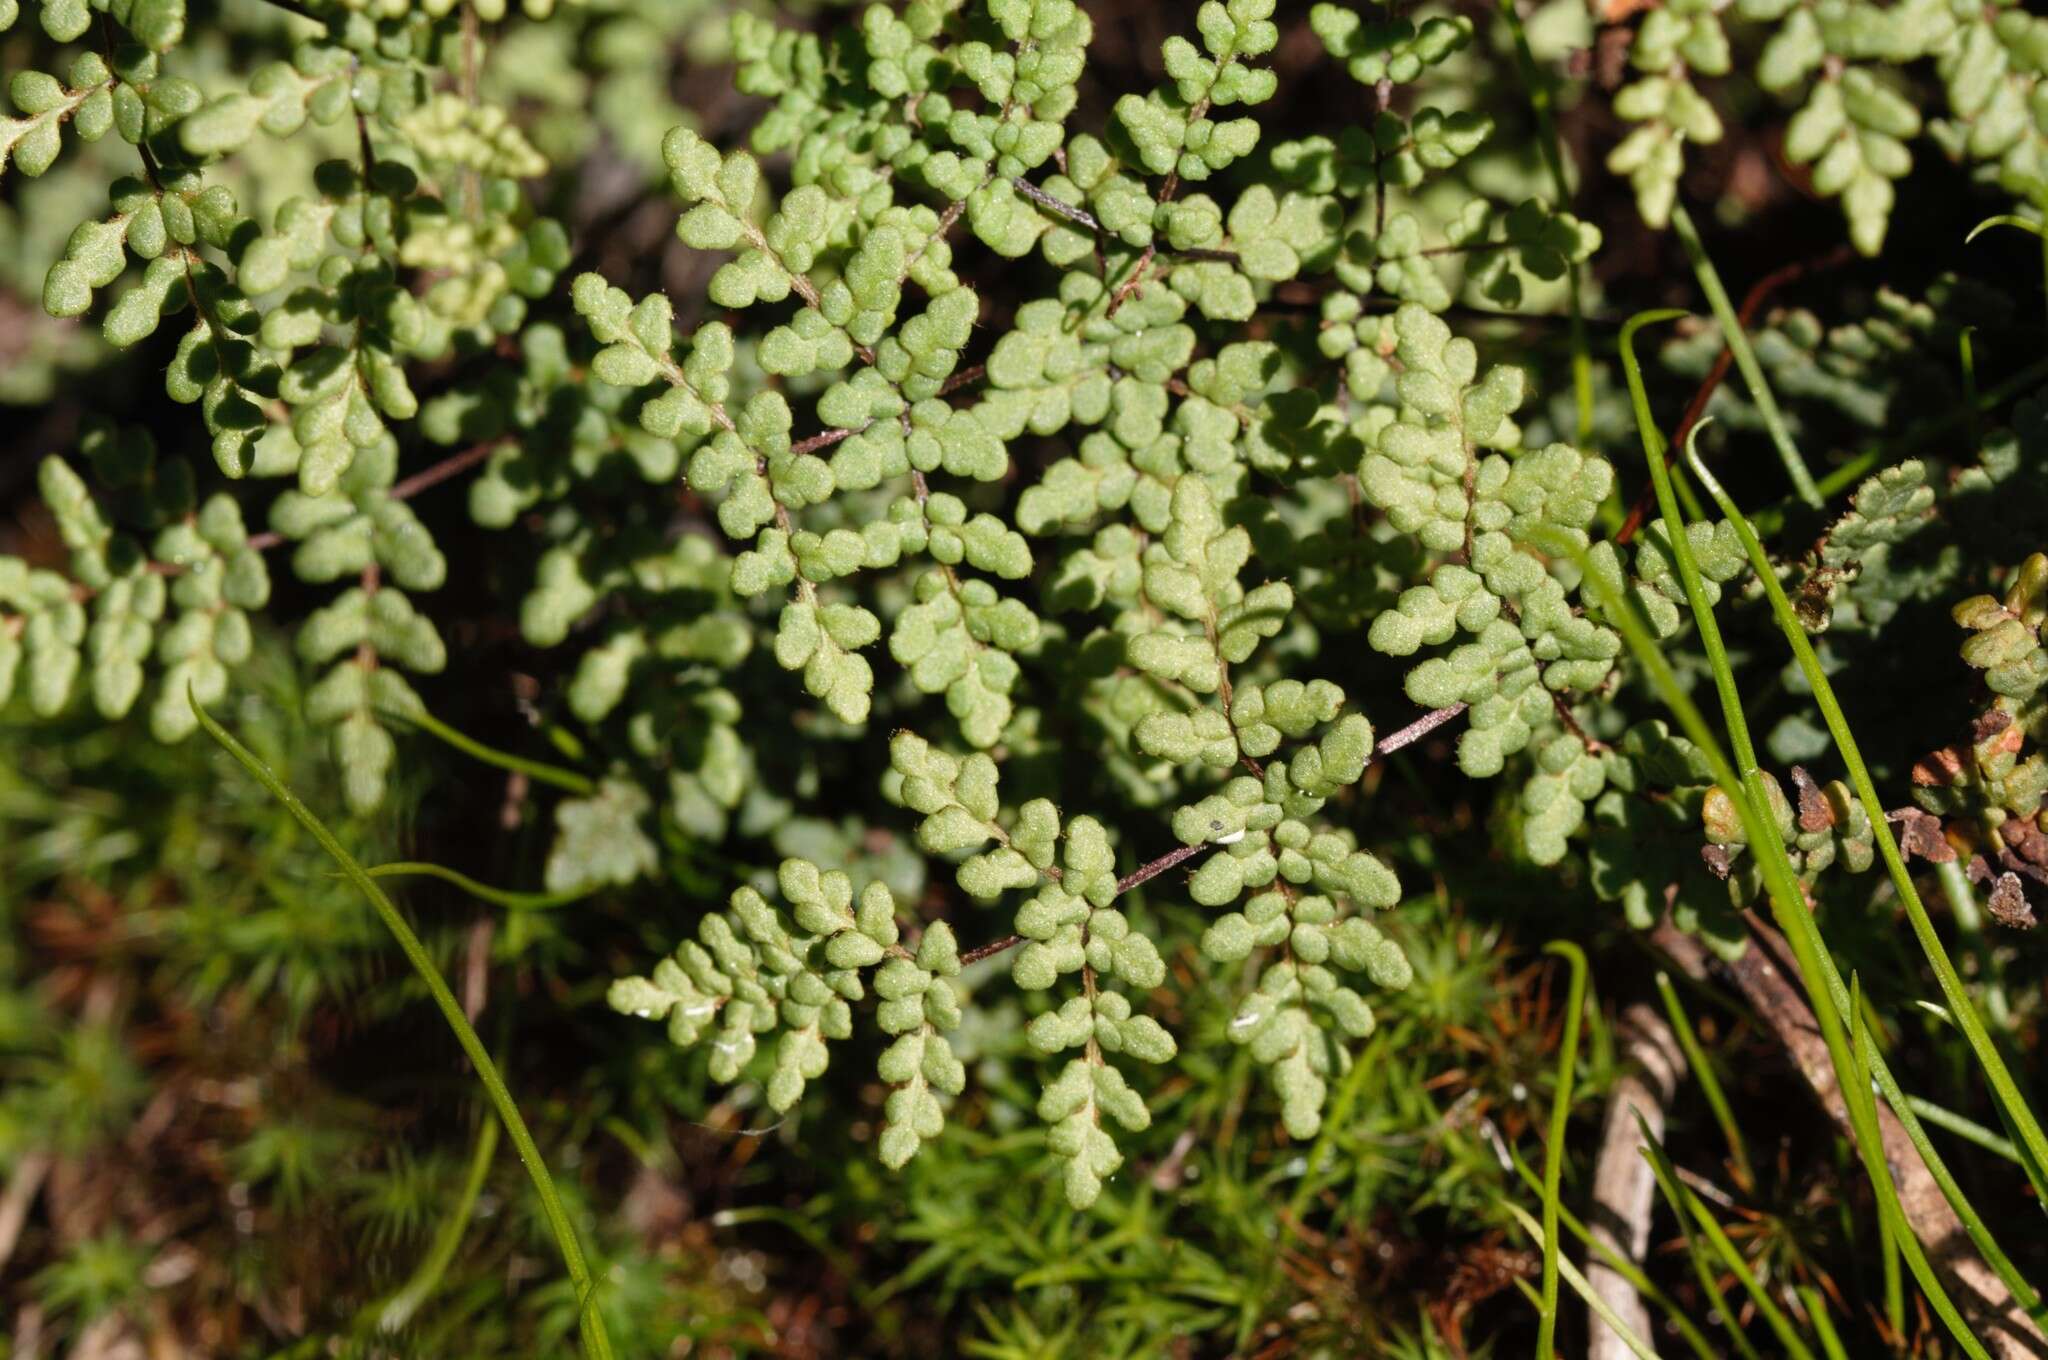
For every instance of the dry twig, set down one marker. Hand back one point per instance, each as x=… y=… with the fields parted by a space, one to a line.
x=1624 y=1185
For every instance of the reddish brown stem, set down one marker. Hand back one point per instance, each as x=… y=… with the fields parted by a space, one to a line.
x=1131 y=284
x=824 y=439
x=1416 y=731
x=1159 y=866
x=1078 y=216
x=451 y=466
x=976 y=955
x=1571 y=722
x=1394 y=741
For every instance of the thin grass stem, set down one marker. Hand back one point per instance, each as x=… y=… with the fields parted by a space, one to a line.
x=1823 y=1326
x=1745 y=357
x=1688 y=1330
x=1553 y=1152
x=2003 y=1087
x=1966 y=355
x=1968 y=1130
x=596 y=1344
x=1580 y=1286
x=1774 y=1317
x=497 y=897
x=1710 y=1085
x=538 y=770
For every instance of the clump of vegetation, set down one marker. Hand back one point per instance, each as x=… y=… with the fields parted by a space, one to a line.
x=981 y=753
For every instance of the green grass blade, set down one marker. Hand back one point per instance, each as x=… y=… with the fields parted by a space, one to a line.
x=1745 y=357
x=1895 y=1215
x=1579 y=1286
x=497 y=897
x=595 y=1342
x=2004 y=1089
x=2005 y=220
x=1894 y=1285
x=538 y=770
x=1710 y=1227
x=1553 y=1153
x=2035 y=1174
x=394 y=1313
x=2021 y=223
x=1889 y=1232
x=1747 y=794
x=1823 y=1325
x=1674 y=1199
x=1710 y=1085
x=1967 y=1129
x=1966 y=356
x=1688 y=1330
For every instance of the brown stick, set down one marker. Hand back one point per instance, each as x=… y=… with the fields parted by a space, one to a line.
x=476 y=974
x=1767 y=984
x=1624 y=1185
